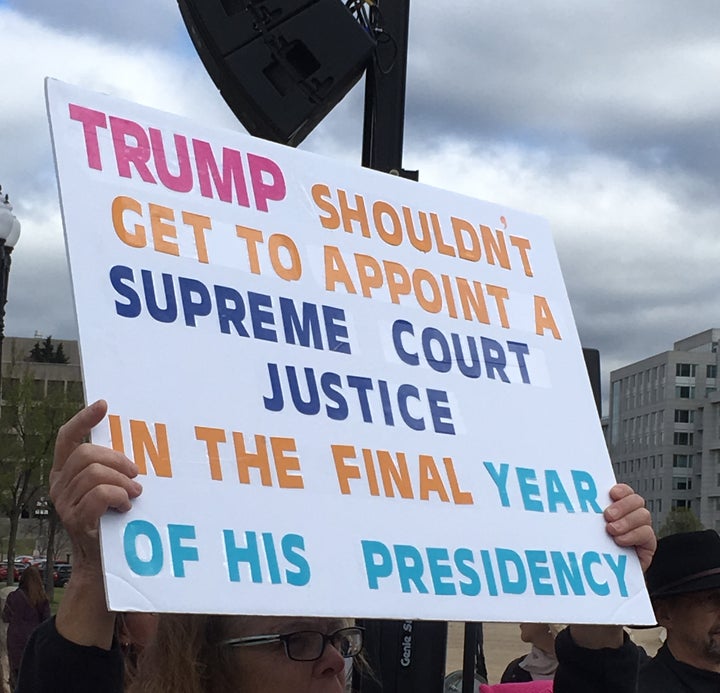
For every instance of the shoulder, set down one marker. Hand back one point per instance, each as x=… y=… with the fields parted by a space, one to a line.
x=515 y=673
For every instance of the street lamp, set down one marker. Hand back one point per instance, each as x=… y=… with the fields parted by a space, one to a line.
x=9 y=234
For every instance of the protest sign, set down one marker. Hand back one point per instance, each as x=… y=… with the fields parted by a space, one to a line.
x=347 y=393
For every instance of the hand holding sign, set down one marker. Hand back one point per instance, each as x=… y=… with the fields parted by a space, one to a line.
x=85 y=482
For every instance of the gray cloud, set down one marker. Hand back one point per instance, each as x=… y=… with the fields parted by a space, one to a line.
x=600 y=117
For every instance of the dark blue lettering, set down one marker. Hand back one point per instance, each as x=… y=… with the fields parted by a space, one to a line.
x=191 y=309
x=303 y=327
x=261 y=317
x=405 y=392
x=133 y=307
x=331 y=385
x=399 y=327
x=494 y=357
x=227 y=314
x=444 y=363
x=167 y=314
x=336 y=329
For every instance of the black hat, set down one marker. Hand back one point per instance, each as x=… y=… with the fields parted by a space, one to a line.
x=685 y=562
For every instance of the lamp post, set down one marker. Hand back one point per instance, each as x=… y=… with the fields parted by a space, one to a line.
x=9 y=234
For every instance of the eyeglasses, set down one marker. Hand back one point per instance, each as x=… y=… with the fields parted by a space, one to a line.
x=308 y=645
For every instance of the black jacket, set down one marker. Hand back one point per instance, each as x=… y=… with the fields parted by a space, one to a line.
x=627 y=669
x=52 y=664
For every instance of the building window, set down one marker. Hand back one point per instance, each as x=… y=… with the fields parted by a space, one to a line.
x=75 y=391
x=684 y=391
x=709 y=391
x=682 y=438
x=685 y=370
x=682 y=461
x=684 y=416
x=682 y=483
x=711 y=371
x=679 y=503
x=55 y=387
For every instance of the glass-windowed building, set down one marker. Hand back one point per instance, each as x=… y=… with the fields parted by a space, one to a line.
x=663 y=428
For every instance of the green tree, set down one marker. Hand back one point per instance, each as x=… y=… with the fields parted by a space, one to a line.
x=28 y=428
x=47 y=352
x=680 y=520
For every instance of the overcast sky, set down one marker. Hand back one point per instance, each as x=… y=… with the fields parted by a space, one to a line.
x=603 y=117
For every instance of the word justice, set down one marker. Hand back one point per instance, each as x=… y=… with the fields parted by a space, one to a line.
x=341 y=397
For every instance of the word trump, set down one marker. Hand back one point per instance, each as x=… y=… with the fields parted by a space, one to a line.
x=499 y=571
x=143 y=152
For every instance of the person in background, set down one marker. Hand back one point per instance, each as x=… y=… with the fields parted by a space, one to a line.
x=683 y=581
x=540 y=663
x=24 y=610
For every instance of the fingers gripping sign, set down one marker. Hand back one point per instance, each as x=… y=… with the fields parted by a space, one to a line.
x=87 y=480
x=629 y=523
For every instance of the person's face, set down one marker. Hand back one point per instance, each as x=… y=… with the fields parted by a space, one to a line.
x=692 y=622
x=138 y=629
x=263 y=668
x=532 y=632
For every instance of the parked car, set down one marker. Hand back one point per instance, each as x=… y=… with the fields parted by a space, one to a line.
x=4 y=573
x=61 y=572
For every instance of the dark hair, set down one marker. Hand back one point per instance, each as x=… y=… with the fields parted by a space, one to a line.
x=31 y=583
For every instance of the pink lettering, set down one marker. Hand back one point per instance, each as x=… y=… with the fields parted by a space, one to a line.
x=183 y=180
x=91 y=120
x=137 y=154
x=262 y=191
x=232 y=172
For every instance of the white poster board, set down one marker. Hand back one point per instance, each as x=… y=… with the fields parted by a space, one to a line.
x=349 y=394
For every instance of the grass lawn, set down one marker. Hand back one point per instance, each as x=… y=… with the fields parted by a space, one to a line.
x=57 y=598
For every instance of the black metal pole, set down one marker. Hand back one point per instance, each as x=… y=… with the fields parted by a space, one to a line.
x=385 y=81
x=5 y=251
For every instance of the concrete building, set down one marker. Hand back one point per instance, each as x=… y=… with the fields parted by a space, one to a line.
x=48 y=377
x=664 y=428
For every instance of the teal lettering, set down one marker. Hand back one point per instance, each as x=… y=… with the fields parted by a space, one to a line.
x=381 y=568
x=180 y=554
x=499 y=476
x=464 y=562
x=438 y=559
x=556 y=494
x=618 y=570
x=529 y=489
x=507 y=557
